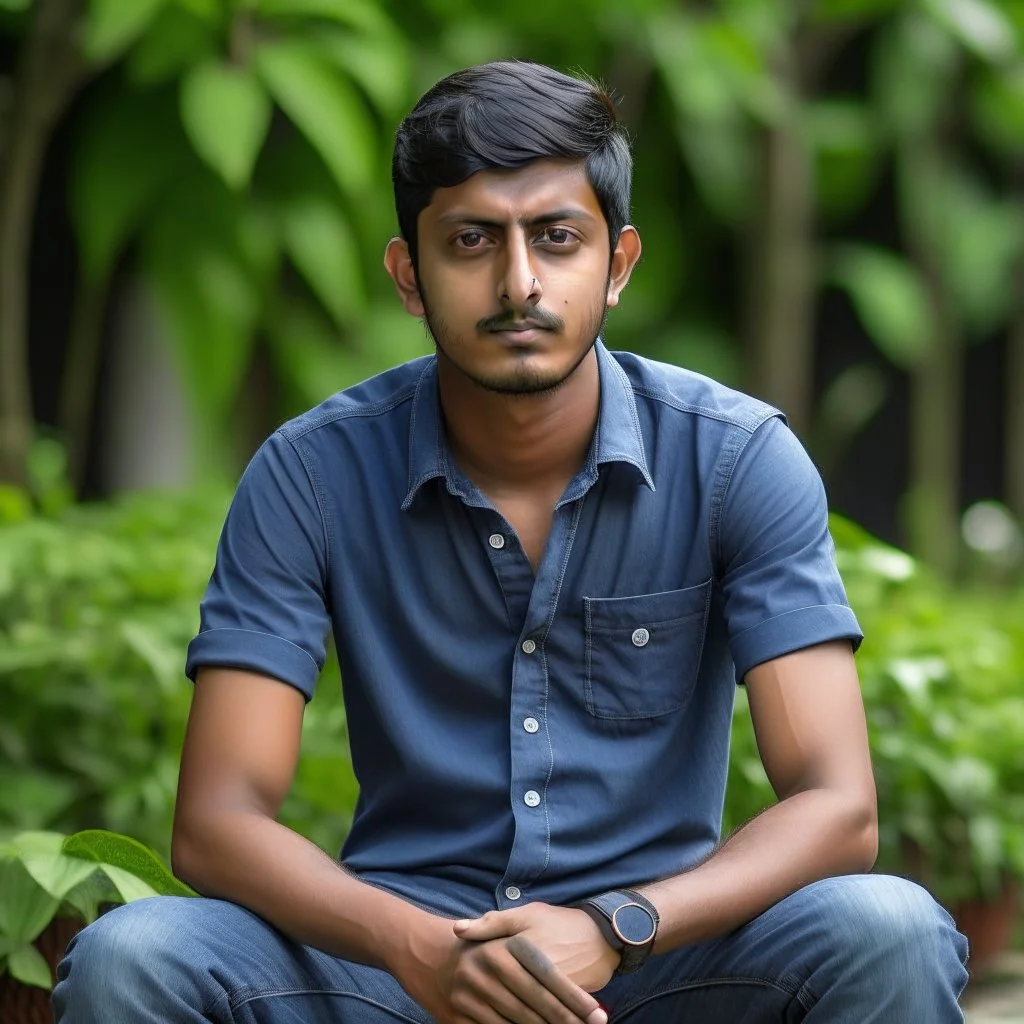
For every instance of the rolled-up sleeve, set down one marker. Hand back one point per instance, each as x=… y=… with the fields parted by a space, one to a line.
x=265 y=609
x=781 y=587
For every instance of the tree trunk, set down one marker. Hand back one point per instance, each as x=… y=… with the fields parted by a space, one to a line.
x=48 y=75
x=780 y=287
x=1015 y=405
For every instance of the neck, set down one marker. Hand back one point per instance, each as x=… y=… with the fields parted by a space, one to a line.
x=519 y=441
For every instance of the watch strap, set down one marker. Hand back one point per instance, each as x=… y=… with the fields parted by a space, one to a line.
x=602 y=908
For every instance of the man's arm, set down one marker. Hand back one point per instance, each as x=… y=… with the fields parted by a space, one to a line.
x=240 y=753
x=809 y=721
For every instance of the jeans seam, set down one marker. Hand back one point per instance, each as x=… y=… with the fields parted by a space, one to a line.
x=675 y=987
x=234 y=1003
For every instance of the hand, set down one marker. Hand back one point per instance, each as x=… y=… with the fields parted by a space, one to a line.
x=489 y=982
x=568 y=938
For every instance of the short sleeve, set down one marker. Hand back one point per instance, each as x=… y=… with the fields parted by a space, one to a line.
x=782 y=589
x=265 y=609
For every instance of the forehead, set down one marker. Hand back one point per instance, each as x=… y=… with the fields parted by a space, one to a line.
x=517 y=194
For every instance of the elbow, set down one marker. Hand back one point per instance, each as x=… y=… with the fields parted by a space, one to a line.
x=864 y=835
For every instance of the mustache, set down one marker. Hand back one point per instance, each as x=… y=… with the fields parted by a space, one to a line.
x=533 y=316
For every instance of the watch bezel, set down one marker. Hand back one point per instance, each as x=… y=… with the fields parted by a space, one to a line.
x=622 y=938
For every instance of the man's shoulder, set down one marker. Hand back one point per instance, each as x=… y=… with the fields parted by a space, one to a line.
x=673 y=388
x=374 y=397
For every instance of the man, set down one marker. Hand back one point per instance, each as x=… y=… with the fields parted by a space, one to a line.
x=545 y=568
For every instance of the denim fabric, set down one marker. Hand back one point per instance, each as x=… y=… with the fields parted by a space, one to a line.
x=506 y=726
x=854 y=950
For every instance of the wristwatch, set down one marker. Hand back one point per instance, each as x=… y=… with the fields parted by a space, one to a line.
x=629 y=923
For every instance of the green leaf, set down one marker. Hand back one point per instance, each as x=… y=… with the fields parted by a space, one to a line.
x=356 y=13
x=980 y=25
x=226 y=113
x=997 y=106
x=320 y=242
x=15 y=5
x=56 y=873
x=129 y=886
x=325 y=108
x=125 y=854
x=113 y=25
x=87 y=897
x=378 y=64
x=27 y=965
x=176 y=40
x=25 y=908
x=139 y=135
x=890 y=300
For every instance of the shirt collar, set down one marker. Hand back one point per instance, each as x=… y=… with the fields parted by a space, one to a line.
x=618 y=437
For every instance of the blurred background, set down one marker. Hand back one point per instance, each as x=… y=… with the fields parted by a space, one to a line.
x=194 y=201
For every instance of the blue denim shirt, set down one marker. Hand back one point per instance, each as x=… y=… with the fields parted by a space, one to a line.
x=517 y=736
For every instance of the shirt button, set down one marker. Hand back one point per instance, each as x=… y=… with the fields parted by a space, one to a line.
x=531 y=798
x=496 y=541
x=513 y=892
x=640 y=637
x=529 y=647
x=531 y=725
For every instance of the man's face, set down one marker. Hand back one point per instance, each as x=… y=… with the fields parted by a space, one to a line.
x=514 y=275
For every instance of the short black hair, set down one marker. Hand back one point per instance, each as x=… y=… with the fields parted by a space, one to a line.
x=504 y=115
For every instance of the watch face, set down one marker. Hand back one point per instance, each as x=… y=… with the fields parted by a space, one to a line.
x=633 y=924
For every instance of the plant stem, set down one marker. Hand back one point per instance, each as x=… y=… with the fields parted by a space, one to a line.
x=780 y=288
x=1015 y=404
x=48 y=75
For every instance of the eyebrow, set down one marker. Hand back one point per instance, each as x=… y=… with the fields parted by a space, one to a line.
x=552 y=217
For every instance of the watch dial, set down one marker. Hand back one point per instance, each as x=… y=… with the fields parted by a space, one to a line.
x=634 y=924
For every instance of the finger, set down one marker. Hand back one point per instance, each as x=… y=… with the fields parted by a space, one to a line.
x=538 y=965
x=495 y=924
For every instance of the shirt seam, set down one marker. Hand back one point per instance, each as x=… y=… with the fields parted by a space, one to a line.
x=314 y=483
x=749 y=424
x=294 y=431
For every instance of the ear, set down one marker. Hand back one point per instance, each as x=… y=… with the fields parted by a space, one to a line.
x=398 y=263
x=624 y=259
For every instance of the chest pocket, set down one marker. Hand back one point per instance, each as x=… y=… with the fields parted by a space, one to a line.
x=643 y=653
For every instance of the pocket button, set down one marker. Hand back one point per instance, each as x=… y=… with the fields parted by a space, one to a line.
x=640 y=637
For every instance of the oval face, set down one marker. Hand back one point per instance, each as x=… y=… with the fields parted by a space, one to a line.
x=633 y=924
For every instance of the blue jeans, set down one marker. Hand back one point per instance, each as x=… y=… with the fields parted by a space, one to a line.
x=853 y=950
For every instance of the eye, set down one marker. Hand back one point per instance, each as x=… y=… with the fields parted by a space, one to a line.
x=469 y=240
x=557 y=237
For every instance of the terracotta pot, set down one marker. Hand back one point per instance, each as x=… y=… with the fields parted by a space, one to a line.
x=989 y=925
x=26 y=1004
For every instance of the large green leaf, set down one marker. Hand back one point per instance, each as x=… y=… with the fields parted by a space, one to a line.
x=112 y=25
x=320 y=242
x=27 y=965
x=126 y=856
x=362 y=14
x=226 y=113
x=25 y=908
x=890 y=300
x=138 y=134
x=176 y=40
x=980 y=25
x=378 y=64
x=325 y=108
x=53 y=870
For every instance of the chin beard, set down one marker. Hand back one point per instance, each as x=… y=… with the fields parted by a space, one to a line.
x=520 y=382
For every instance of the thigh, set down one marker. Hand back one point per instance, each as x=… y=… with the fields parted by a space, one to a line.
x=840 y=947
x=199 y=959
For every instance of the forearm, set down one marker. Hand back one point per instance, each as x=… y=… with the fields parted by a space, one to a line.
x=260 y=864
x=811 y=835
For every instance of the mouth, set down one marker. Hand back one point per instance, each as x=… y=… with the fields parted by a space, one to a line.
x=520 y=334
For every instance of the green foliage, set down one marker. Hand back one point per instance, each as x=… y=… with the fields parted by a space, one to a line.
x=46 y=874
x=941 y=674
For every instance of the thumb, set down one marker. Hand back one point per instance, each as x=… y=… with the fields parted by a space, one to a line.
x=493 y=925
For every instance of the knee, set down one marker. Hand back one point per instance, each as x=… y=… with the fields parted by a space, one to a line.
x=892 y=921
x=116 y=955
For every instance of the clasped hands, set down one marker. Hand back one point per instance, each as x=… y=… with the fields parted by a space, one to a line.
x=536 y=964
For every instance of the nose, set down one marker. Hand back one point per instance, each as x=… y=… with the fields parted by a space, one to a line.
x=519 y=286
